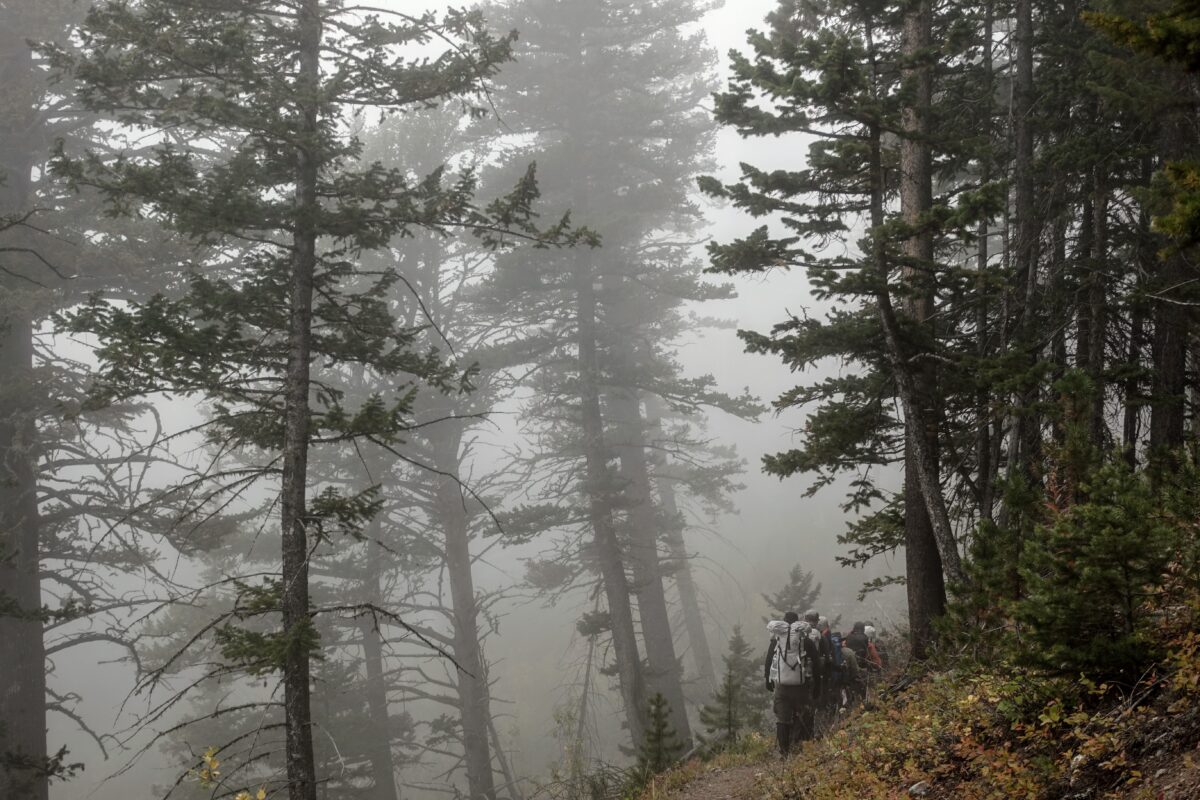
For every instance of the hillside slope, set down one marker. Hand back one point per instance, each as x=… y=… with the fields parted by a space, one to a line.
x=986 y=734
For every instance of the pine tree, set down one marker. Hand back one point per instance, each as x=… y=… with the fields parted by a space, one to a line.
x=299 y=208
x=740 y=701
x=1090 y=571
x=67 y=536
x=723 y=717
x=837 y=75
x=607 y=321
x=798 y=594
x=660 y=748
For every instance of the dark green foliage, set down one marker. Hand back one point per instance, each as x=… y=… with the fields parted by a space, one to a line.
x=660 y=748
x=723 y=717
x=1098 y=556
x=1108 y=187
x=1172 y=33
x=741 y=700
x=262 y=650
x=1091 y=571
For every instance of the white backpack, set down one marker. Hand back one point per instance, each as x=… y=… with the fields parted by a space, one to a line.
x=788 y=668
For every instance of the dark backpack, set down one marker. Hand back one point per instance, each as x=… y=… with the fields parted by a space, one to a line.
x=839 y=661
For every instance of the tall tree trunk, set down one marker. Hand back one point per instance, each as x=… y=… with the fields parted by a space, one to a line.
x=598 y=488
x=297 y=622
x=578 y=766
x=383 y=771
x=22 y=652
x=1061 y=292
x=1026 y=442
x=923 y=563
x=986 y=470
x=474 y=698
x=664 y=671
x=1025 y=445
x=1172 y=328
x=511 y=785
x=1132 y=390
x=1172 y=323
x=1194 y=396
x=681 y=573
x=1097 y=306
x=1083 y=255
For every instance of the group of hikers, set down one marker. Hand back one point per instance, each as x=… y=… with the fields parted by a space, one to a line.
x=813 y=670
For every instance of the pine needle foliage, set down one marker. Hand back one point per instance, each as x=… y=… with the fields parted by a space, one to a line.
x=1098 y=558
x=661 y=747
x=797 y=595
x=740 y=701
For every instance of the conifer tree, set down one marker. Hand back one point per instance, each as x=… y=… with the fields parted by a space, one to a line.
x=606 y=320
x=798 y=594
x=72 y=524
x=1101 y=553
x=278 y=79
x=661 y=748
x=853 y=81
x=741 y=699
x=723 y=717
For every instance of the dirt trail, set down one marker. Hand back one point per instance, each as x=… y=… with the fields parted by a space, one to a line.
x=733 y=783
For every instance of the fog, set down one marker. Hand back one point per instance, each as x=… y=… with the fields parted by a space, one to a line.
x=534 y=651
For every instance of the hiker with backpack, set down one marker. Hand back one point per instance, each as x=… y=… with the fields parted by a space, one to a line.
x=874 y=659
x=837 y=666
x=791 y=660
x=824 y=663
x=876 y=653
x=856 y=683
x=857 y=640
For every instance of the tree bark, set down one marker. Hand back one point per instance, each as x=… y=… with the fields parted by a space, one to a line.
x=1169 y=354
x=472 y=681
x=1060 y=290
x=1172 y=330
x=1083 y=255
x=1097 y=307
x=511 y=783
x=663 y=675
x=1132 y=390
x=383 y=771
x=986 y=467
x=1026 y=442
x=577 y=766
x=598 y=489
x=923 y=563
x=1194 y=396
x=685 y=582
x=22 y=651
x=297 y=622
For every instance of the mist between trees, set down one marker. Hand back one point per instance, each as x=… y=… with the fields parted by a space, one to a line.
x=367 y=429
